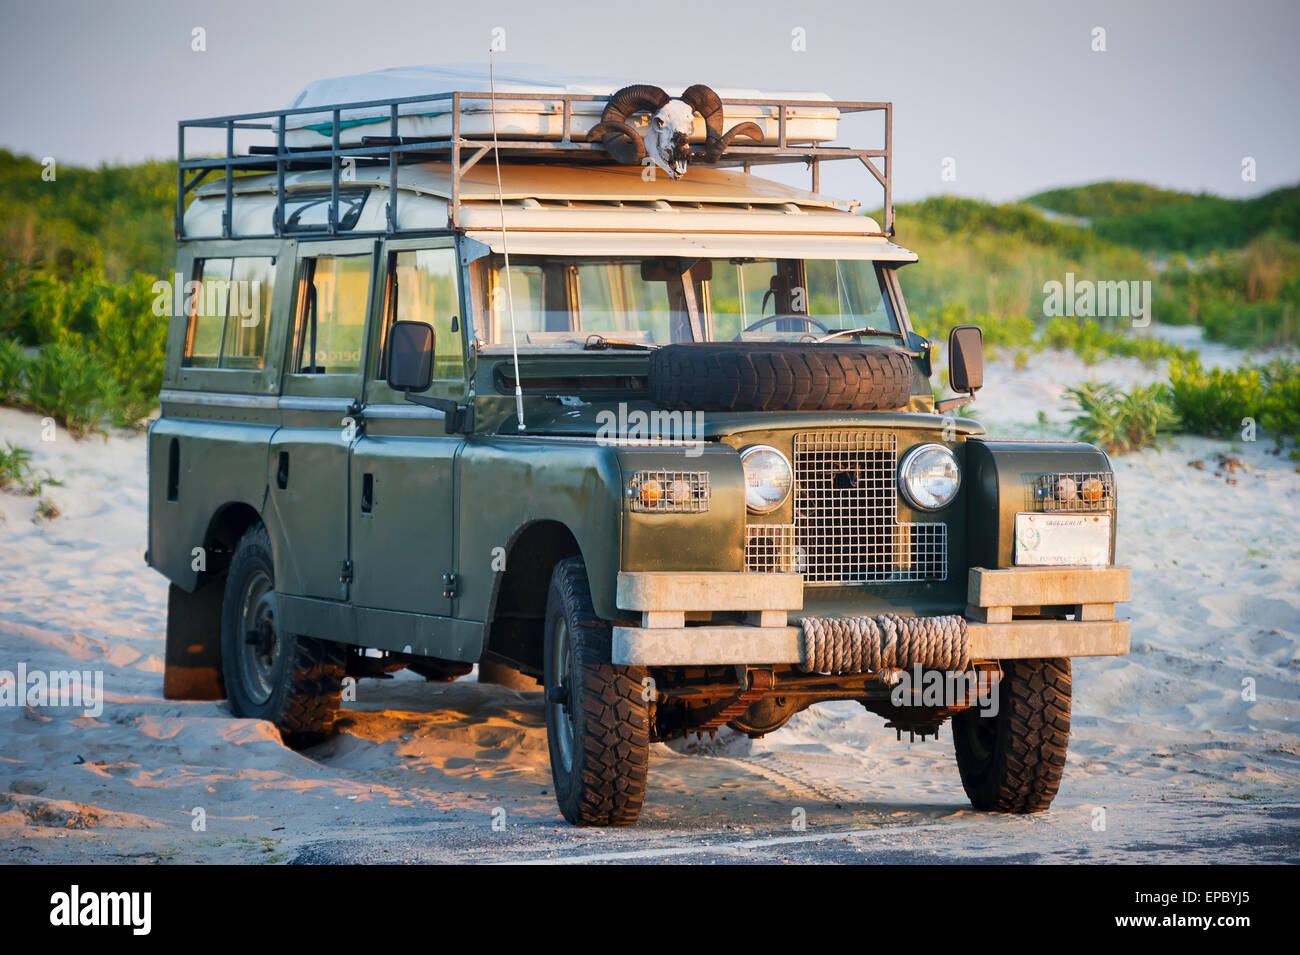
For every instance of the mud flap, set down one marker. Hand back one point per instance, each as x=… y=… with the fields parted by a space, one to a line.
x=193 y=657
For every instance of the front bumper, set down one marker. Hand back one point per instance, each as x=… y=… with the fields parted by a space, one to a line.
x=1009 y=616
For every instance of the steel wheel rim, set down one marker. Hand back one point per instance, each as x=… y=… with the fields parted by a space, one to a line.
x=562 y=712
x=259 y=656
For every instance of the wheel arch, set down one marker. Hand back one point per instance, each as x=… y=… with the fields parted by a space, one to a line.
x=517 y=611
x=227 y=525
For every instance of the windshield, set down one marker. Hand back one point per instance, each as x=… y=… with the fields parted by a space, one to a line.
x=563 y=302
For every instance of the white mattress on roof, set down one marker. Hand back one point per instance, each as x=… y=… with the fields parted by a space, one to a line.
x=514 y=118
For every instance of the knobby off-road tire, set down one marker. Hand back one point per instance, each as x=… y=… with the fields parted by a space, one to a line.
x=780 y=376
x=1013 y=762
x=295 y=682
x=597 y=724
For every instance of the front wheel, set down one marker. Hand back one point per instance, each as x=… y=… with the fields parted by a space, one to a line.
x=295 y=682
x=597 y=719
x=1013 y=761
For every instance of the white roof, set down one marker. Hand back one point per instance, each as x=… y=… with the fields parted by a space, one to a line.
x=585 y=210
x=722 y=245
x=551 y=181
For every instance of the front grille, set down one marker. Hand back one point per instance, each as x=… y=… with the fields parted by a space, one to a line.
x=846 y=526
x=1073 y=491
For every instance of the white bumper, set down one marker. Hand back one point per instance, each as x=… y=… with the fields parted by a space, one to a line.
x=995 y=598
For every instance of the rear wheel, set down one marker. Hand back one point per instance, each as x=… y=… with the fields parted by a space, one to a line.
x=1012 y=762
x=295 y=682
x=597 y=723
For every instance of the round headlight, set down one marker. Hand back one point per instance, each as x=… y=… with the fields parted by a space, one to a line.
x=928 y=477
x=768 y=478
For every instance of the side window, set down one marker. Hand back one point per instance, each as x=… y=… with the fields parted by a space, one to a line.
x=333 y=293
x=249 y=314
x=230 y=313
x=422 y=288
x=208 y=314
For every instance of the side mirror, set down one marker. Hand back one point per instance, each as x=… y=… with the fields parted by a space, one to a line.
x=410 y=356
x=966 y=359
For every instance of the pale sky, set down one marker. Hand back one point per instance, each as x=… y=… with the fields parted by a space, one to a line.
x=1012 y=91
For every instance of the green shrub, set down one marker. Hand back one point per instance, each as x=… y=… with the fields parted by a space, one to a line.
x=112 y=323
x=1120 y=422
x=15 y=466
x=131 y=343
x=1000 y=331
x=71 y=386
x=1092 y=340
x=1215 y=401
x=1252 y=324
x=13 y=364
x=1280 y=413
x=17 y=473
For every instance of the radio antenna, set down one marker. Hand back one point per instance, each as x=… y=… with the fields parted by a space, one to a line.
x=505 y=248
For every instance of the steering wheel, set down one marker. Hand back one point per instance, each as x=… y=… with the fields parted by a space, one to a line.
x=781 y=316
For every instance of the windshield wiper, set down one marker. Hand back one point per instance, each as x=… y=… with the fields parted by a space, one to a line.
x=865 y=330
x=600 y=342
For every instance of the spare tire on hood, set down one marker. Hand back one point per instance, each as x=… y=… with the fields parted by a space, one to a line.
x=780 y=376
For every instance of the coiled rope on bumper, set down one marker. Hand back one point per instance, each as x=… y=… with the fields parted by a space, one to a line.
x=839 y=645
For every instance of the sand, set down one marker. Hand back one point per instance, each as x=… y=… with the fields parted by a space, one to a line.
x=1165 y=750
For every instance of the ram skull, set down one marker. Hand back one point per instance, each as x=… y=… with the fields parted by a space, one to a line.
x=666 y=143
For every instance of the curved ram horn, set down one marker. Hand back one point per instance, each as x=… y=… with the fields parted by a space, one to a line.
x=620 y=139
x=714 y=148
x=709 y=105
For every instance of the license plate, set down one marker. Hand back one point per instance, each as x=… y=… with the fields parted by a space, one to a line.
x=1055 y=540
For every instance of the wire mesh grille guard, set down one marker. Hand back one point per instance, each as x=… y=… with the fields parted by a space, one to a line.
x=770 y=549
x=846 y=513
x=1075 y=491
x=669 y=492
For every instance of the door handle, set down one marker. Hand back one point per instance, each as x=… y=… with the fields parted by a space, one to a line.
x=367 y=493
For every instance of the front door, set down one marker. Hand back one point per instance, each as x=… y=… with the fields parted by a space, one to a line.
x=403 y=467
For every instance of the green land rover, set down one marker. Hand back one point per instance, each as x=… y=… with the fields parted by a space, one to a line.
x=560 y=387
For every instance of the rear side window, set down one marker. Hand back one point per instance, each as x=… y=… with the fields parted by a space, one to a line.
x=230 y=313
x=333 y=294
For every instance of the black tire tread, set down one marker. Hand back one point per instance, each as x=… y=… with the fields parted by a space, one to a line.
x=1033 y=734
x=307 y=702
x=780 y=376
x=315 y=692
x=614 y=734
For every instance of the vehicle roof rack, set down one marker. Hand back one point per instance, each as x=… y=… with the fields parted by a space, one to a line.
x=462 y=153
